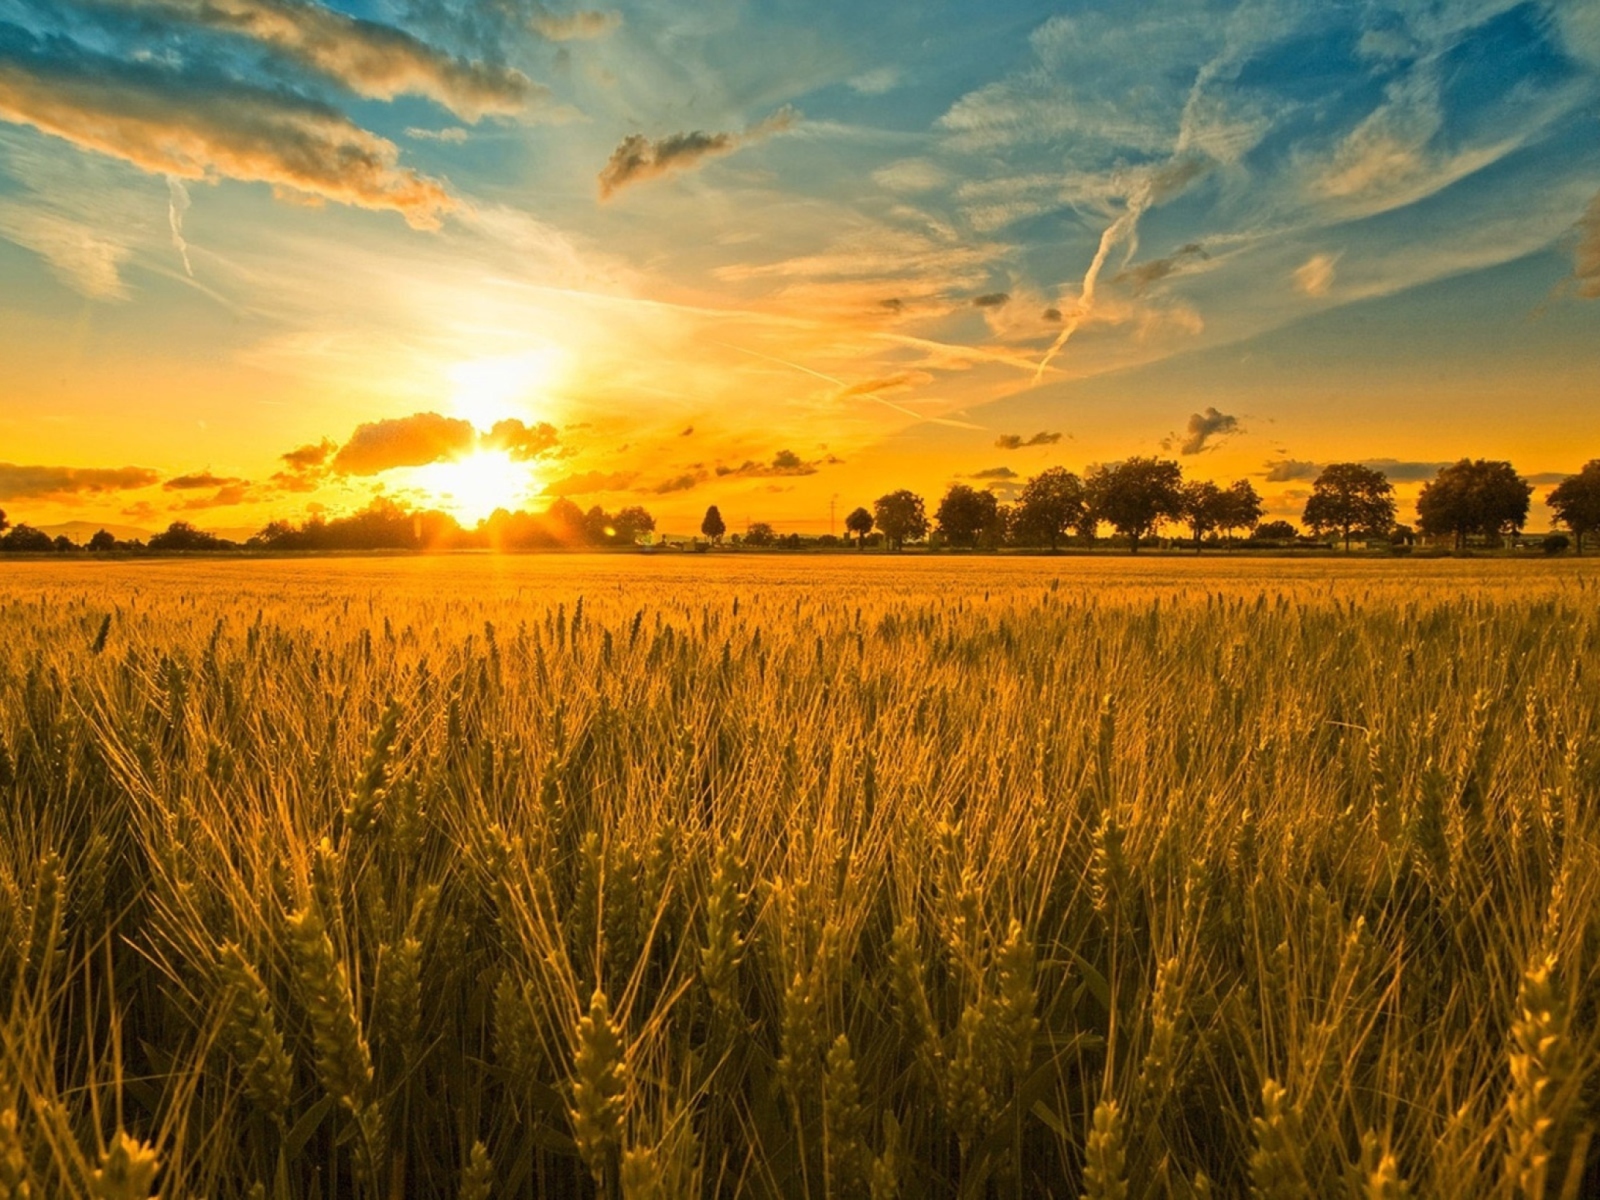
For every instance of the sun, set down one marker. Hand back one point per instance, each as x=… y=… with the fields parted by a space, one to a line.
x=471 y=488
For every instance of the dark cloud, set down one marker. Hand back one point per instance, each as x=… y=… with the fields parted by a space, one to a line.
x=234 y=492
x=784 y=462
x=1053 y=315
x=1286 y=470
x=1548 y=478
x=576 y=26
x=1587 y=262
x=678 y=483
x=992 y=300
x=893 y=304
x=688 y=432
x=1404 y=471
x=1202 y=430
x=44 y=483
x=994 y=473
x=413 y=441
x=372 y=60
x=197 y=126
x=311 y=455
x=638 y=158
x=521 y=442
x=1145 y=274
x=1015 y=441
x=586 y=483
x=200 y=481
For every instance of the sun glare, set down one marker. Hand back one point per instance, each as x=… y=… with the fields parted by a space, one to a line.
x=473 y=487
x=486 y=390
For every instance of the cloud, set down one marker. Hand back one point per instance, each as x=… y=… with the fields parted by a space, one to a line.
x=1587 y=267
x=1548 y=478
x=1015 y=441
x=584 y=483
x=1315 y=276
x=638 y=158
x=313 y=454
x=573 y=27
x=1202 y=429
x=876 y=81
x=784 y=462
x=199 y=481
x=911 y=175
x=82 y=257
x=454 y=134
x=44 y=483
x=190 y=127
x=1286 y=470
x=992 y=300
x=413 y=441
x=234 y=492
x=521 y=442
x=678 y=483
x=994 y=473
x=1149 y=273
x=372 y=60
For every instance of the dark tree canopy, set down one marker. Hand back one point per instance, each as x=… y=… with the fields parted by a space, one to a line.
x=1281 y=531
x=713 y=526
x=1136 y=496
x=1240 y=508
x=181 y=535
x=1052 y=504
x=859 y=522
x=900 y=517
x=102 y=541
x=1203 y=503
x=1576 y=501
x=633 y=522
x=964 y=513
x=25 y=539
x=4 y=524
x=761 y=534
x=1349 y=496
x=1474 y=496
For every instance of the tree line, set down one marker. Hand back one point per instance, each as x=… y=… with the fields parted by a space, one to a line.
x=1136 y=498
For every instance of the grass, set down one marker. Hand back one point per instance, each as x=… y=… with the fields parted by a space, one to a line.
x=752 y=876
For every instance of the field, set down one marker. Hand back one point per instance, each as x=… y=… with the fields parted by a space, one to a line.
x=566 y=876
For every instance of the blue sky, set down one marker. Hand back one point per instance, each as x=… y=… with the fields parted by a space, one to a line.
x=760 y=255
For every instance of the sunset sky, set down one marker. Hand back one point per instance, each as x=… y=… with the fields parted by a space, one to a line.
x=261 y=256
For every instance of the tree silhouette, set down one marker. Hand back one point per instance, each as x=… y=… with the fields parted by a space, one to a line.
x=713 y=526
x=1348 y=496
x=102 y=541
x=4 y=524
x=633 y=521
x=1241 y=508
x=1135 y=496
x=899 y=516
x=1275 y=531
x=964 y=513
x=760 y=534
x=1575 y=501
x=1052 y=503
x=1474 y=496
x=859 y=522
x=1203 y=503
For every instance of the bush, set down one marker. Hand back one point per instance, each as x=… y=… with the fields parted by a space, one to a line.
x=1556 y=543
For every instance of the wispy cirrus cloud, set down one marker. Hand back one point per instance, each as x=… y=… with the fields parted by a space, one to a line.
x=582 y=25
x=192 y=125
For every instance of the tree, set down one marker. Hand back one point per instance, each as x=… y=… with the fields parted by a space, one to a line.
x=964 y=512
x=760 y=534
x=1202 y=508
x=1348 y=496
x=4 y=524
x=181 y=535
x=1052 y=503
x=859 y=523
x=713 y=526
x=899 y=516
x=102 y=541
x=1241 y=508
x=1474 y=496
x=598 y=528
x=632 y=522
x=25 y=539
x=1135 y=496
x=1575 y=501
x=1275 y=531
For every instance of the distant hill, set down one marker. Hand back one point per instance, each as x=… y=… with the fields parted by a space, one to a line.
x=82 y=531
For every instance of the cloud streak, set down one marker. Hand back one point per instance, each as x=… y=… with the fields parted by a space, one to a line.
x=1587 y=265
x=637 y=158
x=372 y=60
x=1015 y=441
x=192 y=128
x=19 y=482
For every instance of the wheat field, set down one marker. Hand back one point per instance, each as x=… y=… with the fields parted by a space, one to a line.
x=727 y=875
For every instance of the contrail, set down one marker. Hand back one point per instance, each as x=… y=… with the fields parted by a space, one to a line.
x=177 y=205
x=783 y=362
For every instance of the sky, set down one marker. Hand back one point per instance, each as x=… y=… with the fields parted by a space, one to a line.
x=261 y=259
